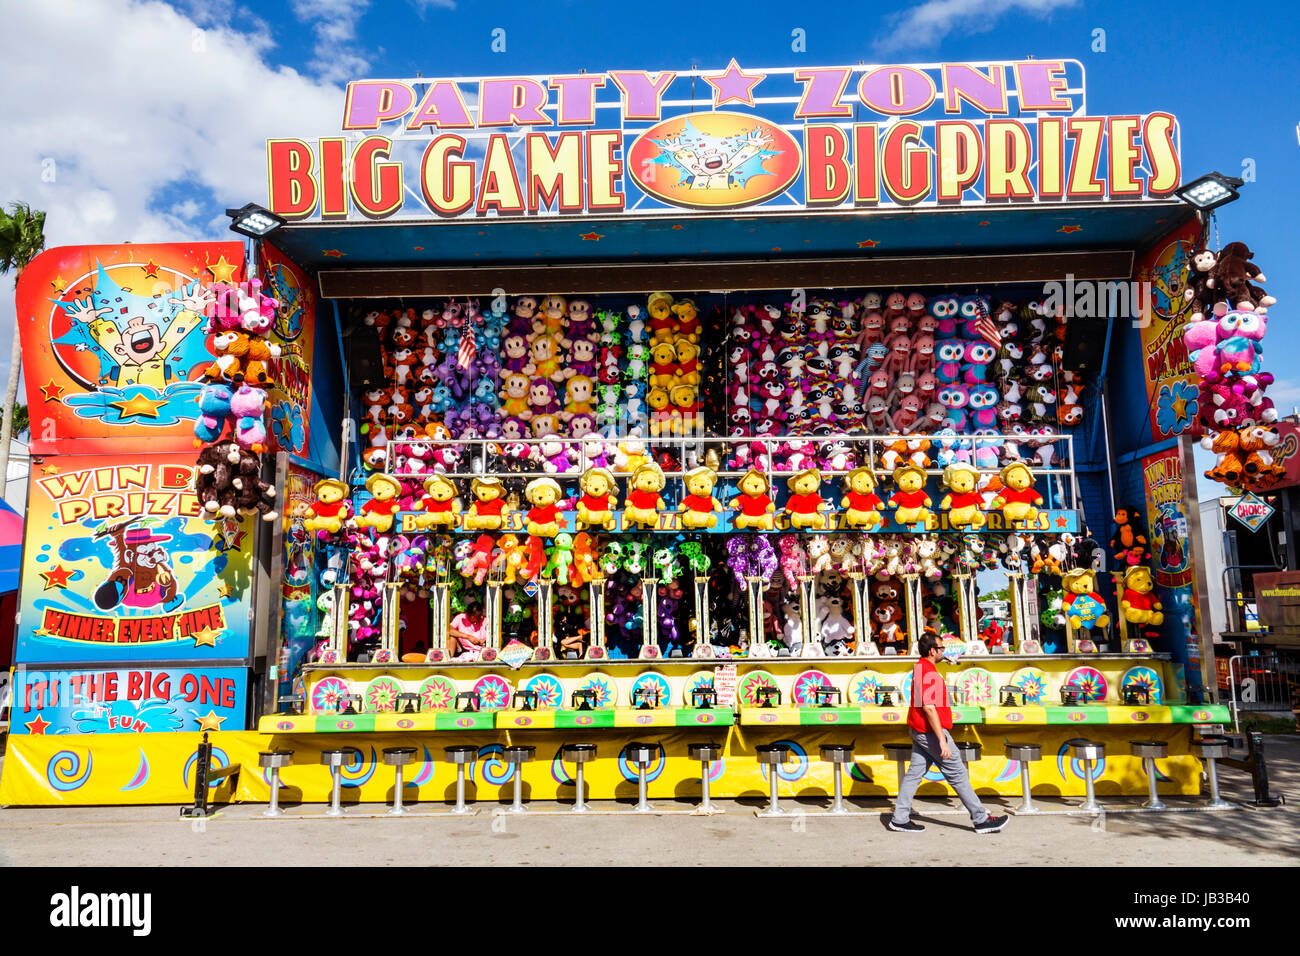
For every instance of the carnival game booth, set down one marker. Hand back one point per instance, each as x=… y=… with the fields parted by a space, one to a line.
x=688 y=436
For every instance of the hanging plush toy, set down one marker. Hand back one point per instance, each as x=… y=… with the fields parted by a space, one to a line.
x=1139 y=605
x=1017 y=500
x=644 y=500
x=596 y=506
x=1084 y=607
x=754 y=501
x=544 y=495
x=861 y=503
x=1127 y=542
x=488 y=511
x=910 y=501
x=699 y=508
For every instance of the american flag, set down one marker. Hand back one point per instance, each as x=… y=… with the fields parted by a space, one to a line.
x=986 y=327
x=468 y=350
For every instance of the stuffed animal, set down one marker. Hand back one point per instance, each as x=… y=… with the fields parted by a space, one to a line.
x=1127 y=542
x=1017 y=500
x=963 y=502
x=754 y=502
x=330 y=508
x=805 y=504
x=489 y=510
x=1231 y=276
x=910 y=501
x=1139 y=604
x=440 y=507
x=596 y=506
x=378 y=512
x=644 y=499
x=861 y=505
x=544 y=495
x=1083 y=606
x=699 y=509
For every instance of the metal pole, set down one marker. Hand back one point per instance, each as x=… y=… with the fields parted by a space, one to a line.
x=518 y=805
x=274 y=809
x=642 y=806
x=861 y=611
x=579 y=806
x=336 y=771
x=1091 y=802
x=460 y=790
x=1154 y=803
x=397 y=809
x=596 y=591
x=1200 y=606
x=1027 y=800
x=650 y=619
x=837 y=805
x=705 y=805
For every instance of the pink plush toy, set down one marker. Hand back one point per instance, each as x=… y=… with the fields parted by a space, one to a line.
x=923 y=355
x=900 y=353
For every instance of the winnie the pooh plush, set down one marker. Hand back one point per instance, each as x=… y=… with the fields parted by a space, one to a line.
x=963 y=503
x=543 y=517
x=754 y=502
x=440 y=505
x=1018 y=500
x=643 y=496
x=910 y=502
x=699 y=509
x=378 y=512
x=861 y=503
x=488 y=511
x=1139 y=604
x=1083 y=606
x=596 y=506
x=805 y=504
x=330 y=509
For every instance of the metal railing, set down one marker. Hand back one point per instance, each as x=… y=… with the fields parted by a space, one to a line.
x=734 y=456
x=1257 y=683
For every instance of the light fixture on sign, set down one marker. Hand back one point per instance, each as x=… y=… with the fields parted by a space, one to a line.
x=254 y=221
x=1210 y=191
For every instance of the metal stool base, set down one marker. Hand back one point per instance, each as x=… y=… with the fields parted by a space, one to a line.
x=774 y=806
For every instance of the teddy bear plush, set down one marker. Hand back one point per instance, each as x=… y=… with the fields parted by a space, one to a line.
x=214 y=473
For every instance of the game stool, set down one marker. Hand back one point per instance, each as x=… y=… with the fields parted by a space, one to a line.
x=461 y=755
x=397 y=758
x=901 y=754
x=640 y=754
x=969 y=751
x=293 y=704
x=704 y=697
x=334 y=760
x=828 y=697
x=351 y=704
x=705 y=754
x=838 y=755
x=885 y=695
x=772 y=755
x=273 y=760
x=467 y=700
x=1011 y=695
x=579 y=754
x=517 y=756
x=1211 y=749
x=1150 y=751
x=1025 y=754
x=525 y=700
x=1089 y=751
x=765 y=695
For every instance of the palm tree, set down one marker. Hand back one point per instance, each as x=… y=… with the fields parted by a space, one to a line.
x=22 y=237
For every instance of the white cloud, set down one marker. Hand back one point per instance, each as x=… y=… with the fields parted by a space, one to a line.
x=334 y=23
x=423 y=5
x=131 y=99
x=931 y=22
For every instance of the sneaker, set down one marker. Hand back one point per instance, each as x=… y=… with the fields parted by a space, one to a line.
x=992 y=824
x=908 y=827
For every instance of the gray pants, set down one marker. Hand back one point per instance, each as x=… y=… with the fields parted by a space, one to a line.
x=925 y=751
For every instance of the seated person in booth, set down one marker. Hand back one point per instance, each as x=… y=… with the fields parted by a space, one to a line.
x=467 y=635
x=929 y=720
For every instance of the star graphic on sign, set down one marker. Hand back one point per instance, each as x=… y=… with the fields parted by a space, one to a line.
x=1061 y=522
x=206 y=637
x=37 y=726
x=591 y=237
x=418 y=248
x=151 y=269
x=1068 y=229
x=333 y=253
x=210 y=721
x=56 y=577
x=734 y=86
x=138 y=406
x=59 y=283
x=984 y=223
x=1179 y=405
x=223 y=589
x=50 y=469
x=868 y=244
x=43 y=632
x=52 y=391
x=222 y=271
x=679 y=226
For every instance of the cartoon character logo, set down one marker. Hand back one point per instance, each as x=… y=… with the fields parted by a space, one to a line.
x=285 y=289
x=1168 y=278
x=714 y=160
x=141 y=576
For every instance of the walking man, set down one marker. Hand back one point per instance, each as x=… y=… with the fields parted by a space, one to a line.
x=929 y=719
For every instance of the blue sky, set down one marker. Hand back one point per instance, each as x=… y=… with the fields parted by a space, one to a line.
x=156 y=112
